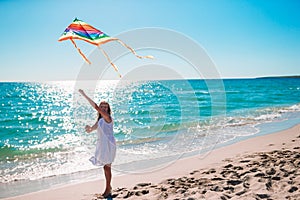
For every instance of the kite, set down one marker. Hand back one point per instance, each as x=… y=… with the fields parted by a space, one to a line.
x=80 y=30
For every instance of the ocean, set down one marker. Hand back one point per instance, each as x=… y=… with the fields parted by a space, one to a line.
x=43 y=142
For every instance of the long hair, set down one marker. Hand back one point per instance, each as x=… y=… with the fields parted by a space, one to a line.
x=108 y=111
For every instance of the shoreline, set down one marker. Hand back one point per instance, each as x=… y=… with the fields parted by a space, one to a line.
x=129 y=183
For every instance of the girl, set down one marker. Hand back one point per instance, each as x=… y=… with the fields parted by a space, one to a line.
x=106 y=144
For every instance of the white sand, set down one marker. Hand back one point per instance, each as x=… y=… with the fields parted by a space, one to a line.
x=265 y=167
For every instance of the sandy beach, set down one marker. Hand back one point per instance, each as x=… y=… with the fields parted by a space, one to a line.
x=264 y=167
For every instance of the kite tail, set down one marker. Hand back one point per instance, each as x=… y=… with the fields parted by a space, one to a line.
x=112 y=64
x=85 y=58
x=133 y=51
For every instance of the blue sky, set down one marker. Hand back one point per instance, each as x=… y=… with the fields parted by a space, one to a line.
x=243 y=38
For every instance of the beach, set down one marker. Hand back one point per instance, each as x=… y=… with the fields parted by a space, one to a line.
x=165 y=130
x=263 y=167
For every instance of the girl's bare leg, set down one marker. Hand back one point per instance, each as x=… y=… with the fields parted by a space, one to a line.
x=107 y=173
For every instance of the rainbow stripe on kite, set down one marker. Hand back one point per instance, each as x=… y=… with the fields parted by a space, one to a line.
x=83 y=31
x=80 y=30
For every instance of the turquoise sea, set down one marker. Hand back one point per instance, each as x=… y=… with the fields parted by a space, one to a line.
x=43 y=143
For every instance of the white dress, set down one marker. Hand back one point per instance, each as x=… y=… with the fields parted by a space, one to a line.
x=106 y=144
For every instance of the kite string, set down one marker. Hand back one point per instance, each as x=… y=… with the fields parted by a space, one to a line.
x=85 y=58
x=112 y=64
x=133 y=51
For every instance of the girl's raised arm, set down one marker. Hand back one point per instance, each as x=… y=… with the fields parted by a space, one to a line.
x=88 y=98
x=104 y=114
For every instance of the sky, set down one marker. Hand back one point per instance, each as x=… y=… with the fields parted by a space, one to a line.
x=243 y=38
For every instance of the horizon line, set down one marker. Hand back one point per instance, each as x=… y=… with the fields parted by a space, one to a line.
x=257 y=77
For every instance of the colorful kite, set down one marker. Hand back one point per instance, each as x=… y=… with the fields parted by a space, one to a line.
x=83 y=31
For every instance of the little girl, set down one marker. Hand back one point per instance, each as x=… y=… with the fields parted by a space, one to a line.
x=106 y=144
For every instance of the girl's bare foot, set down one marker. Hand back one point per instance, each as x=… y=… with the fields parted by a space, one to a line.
x=107 y=192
